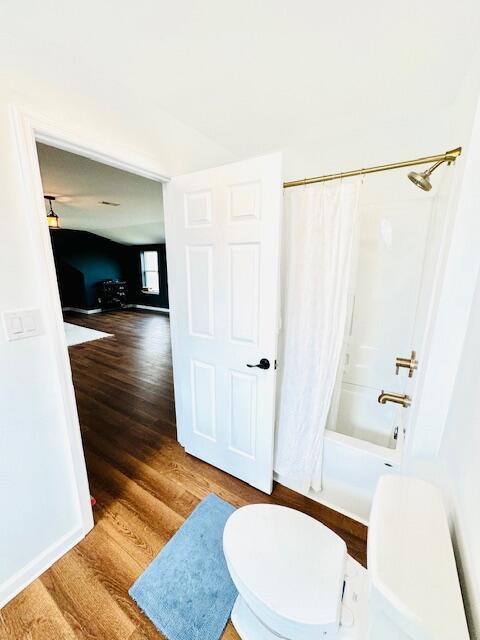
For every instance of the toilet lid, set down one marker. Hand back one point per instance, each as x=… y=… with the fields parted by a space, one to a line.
x=292 y=563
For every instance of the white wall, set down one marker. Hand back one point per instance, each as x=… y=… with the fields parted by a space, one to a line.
x=455 y=430
x=458 y=468
x=39 y=504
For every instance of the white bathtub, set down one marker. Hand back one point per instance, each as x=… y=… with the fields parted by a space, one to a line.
x=351 y=469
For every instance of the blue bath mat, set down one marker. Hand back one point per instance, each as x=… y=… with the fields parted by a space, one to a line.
x=187 y=591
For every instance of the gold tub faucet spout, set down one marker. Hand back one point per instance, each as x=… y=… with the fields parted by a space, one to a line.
x=397 y=398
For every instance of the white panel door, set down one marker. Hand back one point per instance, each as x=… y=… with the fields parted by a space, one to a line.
x=223 y=233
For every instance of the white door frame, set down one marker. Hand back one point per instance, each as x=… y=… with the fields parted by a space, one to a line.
x=29 y=129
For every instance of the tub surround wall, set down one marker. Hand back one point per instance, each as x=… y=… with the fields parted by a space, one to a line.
x=384 y=302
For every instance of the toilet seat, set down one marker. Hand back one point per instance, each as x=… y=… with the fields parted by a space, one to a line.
x=288 y=568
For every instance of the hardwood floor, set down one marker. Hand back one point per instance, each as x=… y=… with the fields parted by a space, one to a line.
x=144 y=483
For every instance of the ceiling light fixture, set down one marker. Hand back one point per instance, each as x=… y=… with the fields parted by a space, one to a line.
x=53 y=220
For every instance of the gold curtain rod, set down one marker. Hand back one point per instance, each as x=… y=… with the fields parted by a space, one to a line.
x=448 y=156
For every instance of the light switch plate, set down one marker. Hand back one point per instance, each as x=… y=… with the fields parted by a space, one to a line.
x=22 y=323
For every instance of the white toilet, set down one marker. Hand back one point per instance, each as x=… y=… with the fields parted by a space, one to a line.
x=297 y=582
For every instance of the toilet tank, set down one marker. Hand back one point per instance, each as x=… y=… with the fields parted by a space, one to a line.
x=414 y=591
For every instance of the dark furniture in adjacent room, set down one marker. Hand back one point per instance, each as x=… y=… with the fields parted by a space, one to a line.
x=112 y=294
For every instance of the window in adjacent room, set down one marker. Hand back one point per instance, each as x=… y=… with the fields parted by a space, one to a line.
x=150 y=278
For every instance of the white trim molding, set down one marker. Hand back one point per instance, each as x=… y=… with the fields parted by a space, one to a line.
x=78 y=310
x=26 y=132
x=148 y=308
x=37 y=566
x=128 y=306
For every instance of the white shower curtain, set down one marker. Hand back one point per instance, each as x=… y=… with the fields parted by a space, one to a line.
x=318 y=241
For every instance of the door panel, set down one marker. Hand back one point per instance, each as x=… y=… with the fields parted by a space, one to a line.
x=203 y=399
x=223 y=233
x=243 y=413
x=200 y=290
x=244 y=266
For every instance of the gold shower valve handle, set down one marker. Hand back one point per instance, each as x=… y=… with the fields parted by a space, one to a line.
x=407 y=363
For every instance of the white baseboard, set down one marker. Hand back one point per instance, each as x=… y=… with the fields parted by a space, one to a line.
x=129 y=306
x=35 y=568
x=77 y=310
x=148 y=308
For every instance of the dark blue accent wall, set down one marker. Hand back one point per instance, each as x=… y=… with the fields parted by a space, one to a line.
x=83 y=259
x=92 y=256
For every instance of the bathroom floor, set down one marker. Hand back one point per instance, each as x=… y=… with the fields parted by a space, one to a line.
x=144 y=483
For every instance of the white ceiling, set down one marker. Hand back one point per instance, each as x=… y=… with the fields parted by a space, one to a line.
x=256 y=76
x=195 y=83
x=81 y=184
x=262 y=75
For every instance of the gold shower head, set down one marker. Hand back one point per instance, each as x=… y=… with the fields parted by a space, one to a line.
x=422 y=179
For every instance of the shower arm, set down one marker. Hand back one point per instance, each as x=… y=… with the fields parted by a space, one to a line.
x=448 y=156
x=431 y=169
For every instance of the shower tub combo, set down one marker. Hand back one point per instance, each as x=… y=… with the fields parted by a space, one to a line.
x=389 y=307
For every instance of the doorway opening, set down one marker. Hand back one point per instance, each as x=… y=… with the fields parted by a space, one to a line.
x=108 y=246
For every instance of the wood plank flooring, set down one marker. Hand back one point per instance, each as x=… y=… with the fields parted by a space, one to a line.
x=144 y=483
